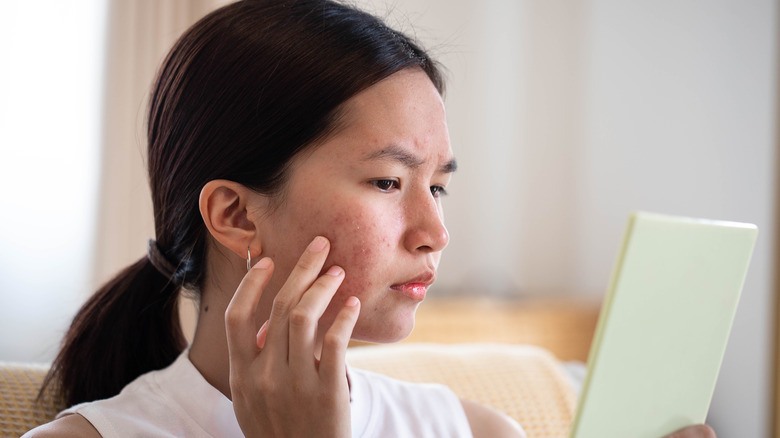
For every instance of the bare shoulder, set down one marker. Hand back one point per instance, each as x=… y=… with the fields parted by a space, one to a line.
x=69 y=426
x=488 y=422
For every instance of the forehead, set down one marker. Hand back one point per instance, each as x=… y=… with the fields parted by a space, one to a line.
x=402 y=112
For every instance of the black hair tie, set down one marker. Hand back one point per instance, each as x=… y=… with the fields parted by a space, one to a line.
x=159 y=261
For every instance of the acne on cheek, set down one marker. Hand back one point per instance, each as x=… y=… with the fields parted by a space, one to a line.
x=357 y=246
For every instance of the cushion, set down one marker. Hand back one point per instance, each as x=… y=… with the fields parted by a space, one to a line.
x=525 y=382
x=20 y=408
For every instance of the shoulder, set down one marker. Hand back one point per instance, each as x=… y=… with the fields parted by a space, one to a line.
x=65 y=427
x=488 y=422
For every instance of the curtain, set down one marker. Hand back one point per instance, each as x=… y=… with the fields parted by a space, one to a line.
x=140 y=33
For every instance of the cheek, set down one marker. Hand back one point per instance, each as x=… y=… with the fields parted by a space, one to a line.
x=368 y=247
x=366 y=240
x=363 y=242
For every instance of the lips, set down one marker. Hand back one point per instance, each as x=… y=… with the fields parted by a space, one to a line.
x=417 y=287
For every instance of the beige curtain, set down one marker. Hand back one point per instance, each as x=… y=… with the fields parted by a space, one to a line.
x=140 y=33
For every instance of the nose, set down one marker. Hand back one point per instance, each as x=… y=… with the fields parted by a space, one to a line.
x=425 y=225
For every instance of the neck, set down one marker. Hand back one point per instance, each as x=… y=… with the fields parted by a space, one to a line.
x=209 y=352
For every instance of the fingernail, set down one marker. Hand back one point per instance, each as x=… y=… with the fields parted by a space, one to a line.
x=318 y=244
x=352 y=302
x=264 y=263
x=335 y=271
x=261 y=335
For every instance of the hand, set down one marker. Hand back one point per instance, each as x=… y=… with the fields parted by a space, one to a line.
x=278 y=386
x=698 y=431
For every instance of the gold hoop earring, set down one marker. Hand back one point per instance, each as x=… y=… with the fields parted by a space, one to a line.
x=248 y=259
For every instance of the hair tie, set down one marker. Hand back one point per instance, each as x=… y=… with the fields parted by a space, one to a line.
x=159 y=261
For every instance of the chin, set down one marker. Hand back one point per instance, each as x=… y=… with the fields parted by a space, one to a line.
x=384 y=333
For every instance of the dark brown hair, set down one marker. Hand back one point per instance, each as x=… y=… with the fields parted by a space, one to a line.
x=241 y=92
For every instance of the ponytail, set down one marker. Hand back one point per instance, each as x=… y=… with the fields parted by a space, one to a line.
x=128 y=327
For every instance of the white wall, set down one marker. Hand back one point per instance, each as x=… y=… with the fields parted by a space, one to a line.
x=680 y=115
x=566 y=116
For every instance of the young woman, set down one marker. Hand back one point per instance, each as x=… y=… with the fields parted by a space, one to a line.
x=298 y=152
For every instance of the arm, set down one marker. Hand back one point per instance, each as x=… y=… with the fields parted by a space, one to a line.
x=70 y=426
x=488 y=423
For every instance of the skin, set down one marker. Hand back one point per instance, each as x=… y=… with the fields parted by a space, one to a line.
x=360 y=216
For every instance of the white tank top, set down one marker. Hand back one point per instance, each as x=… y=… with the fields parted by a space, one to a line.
x=177 y=401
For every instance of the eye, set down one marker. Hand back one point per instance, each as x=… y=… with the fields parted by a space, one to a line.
x=385 y=185
x=438 y=191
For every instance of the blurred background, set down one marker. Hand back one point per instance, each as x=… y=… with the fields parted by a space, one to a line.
x=565 y=116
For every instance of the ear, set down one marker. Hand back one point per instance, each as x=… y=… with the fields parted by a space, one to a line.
x=223 y=206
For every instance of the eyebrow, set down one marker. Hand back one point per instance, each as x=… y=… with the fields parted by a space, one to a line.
x=395 y=153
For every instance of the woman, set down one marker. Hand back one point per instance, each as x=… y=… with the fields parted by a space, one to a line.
x=298 y=152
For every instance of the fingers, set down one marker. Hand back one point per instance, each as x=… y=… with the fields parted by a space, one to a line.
x=300 y=280
x=273 y=370
x=240 y=313
x=702 y=431
x=290 y=335
x=336 y=340
x=697 y=431
x=304 y=317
